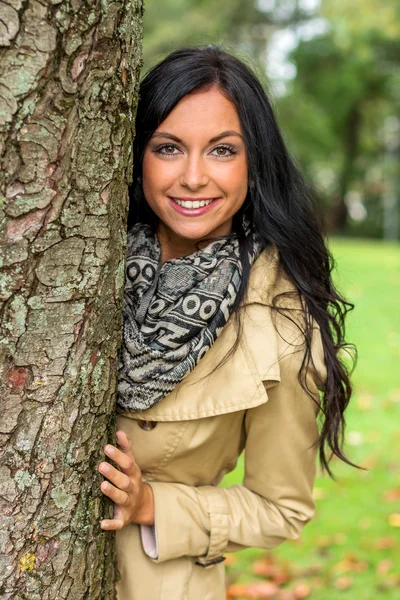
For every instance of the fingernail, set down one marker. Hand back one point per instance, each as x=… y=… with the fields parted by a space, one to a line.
x=109 y=450
x=104 y=485
x=104 y=468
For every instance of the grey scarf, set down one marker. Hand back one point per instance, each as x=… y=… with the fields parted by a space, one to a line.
x=172 y=314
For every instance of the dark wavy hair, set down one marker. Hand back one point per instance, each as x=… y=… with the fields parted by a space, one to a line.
x=279 y=204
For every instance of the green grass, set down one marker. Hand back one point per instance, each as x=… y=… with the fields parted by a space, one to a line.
x=352 y=519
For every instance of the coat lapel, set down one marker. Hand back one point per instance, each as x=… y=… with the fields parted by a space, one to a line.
x=239 y=383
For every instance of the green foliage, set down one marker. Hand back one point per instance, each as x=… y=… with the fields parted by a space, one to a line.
x=344 y=88
x=170 y=24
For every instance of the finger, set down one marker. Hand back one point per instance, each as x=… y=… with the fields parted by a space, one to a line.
x=118 y=478
x=116 y=495
x=122 y=459
x=112 y=524
x=123 y=441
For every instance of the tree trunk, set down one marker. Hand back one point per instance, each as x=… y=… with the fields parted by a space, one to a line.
x=68 y=93
x=338 y=216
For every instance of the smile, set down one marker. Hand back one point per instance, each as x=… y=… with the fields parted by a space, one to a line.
x=193 y=203
x=193 y=208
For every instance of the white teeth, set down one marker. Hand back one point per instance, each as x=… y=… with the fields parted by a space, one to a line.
x=195 y=204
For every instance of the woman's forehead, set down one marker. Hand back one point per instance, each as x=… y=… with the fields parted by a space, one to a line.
x=204 y=113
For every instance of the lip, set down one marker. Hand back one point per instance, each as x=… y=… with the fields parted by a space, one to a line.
x=193 y=212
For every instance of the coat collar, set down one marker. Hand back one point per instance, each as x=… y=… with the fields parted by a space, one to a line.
x=264 y=277
x=242 y=381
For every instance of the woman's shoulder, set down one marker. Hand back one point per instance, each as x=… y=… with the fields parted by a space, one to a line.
x=279 y=332
x=268 y=278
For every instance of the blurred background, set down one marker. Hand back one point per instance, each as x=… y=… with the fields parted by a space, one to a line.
x=332 y=71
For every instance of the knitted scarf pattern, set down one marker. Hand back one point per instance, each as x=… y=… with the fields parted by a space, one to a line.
x=172 y=314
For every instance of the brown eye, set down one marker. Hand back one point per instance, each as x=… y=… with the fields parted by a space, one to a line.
x=166 y=150
x=224 y=151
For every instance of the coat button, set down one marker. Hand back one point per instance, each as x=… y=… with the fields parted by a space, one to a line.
x=147 y=425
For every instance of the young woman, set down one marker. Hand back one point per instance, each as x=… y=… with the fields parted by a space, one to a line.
x=232 y=328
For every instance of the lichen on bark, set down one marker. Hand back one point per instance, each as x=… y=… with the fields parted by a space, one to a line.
x=69 y=73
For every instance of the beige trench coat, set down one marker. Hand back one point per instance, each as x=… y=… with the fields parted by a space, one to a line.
x=253 y=403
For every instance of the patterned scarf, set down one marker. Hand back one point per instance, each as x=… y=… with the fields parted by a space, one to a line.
x=173 y=313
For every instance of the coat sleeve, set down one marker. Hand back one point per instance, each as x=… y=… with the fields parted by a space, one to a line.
x=275 y=500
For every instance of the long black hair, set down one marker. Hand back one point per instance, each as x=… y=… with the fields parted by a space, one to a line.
x=279 y=204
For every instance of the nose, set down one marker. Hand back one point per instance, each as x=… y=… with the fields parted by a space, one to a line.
x=194 y=173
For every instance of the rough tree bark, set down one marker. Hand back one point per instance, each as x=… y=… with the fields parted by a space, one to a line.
x=68 y=93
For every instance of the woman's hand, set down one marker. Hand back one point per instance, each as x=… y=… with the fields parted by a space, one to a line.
x=134 y=502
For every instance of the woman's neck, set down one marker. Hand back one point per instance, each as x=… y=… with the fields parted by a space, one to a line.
x=173 y=246
x=176 y=246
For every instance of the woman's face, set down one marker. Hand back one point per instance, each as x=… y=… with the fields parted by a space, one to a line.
x=196 y=155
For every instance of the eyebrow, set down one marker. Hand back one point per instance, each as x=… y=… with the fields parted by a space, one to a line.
x=211 y=141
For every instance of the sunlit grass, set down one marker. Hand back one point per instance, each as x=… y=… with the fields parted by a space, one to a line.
x=354 y=538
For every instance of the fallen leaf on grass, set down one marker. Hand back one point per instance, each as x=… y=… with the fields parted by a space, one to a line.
x=262 y=590
x=385 y=543
x=384 y=566
x=309 y=571
x=343 y=583
x=286 y=595
x=324 y=553
x=392 y=495
x=394 y=520
x=301 y=590
x=350 y=563
x=265 y=568
x=298 y=592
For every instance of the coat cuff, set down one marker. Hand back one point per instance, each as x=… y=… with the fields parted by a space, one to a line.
x=218 y=512
x=190 y=521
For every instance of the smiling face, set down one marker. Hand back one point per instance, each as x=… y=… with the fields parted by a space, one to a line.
x=195 y=171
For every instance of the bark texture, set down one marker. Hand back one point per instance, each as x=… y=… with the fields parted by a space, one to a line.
x=68 y=93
